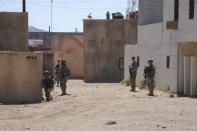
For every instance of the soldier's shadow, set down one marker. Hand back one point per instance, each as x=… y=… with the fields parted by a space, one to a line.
x=65 y=95
x=133 y=91
x=20 y=103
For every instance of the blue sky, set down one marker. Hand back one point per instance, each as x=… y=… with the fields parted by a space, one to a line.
x=67 y=14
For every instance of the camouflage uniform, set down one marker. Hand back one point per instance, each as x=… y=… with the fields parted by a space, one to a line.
x=133 y=73
x=57 y=68
x=48 y=84
x=149 y=74
x=64 y=74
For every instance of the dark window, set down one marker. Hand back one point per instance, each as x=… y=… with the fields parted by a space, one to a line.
x=176 y=10
x=138 y=61
x=121 y=63
x=191 y=9
x=168 y=62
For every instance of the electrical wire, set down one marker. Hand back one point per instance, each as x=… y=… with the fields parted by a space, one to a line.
x=77 y=8
x=47 y=4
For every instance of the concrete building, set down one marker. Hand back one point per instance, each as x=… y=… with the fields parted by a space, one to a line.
x=47 y=37
x=170 y=40
x=20 y=77
x=13 y=31
x=70 y=48
x=66 y=45
x=21 y=71
x=104 y=48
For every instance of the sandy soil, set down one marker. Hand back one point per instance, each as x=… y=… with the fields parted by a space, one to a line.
x=90 y=106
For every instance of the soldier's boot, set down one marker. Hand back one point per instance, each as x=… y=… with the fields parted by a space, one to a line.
x=47 y=99
x=133 y=89
x=58 y=85
x=42 y=98
x=51 y=98
x=63 y=91
x=151 y=92
x=132 y=85
x=47 y=96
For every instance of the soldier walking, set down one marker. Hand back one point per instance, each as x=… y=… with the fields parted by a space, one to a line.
x=133 y=73
x=64 y=75
x=57 y=68
x=149 y=75
x=48 y=84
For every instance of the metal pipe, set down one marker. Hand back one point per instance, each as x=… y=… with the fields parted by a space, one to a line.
x=24 y=5
x=51 y=15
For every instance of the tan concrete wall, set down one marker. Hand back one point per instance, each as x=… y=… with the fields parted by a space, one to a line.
x=184 y=49
x=71 y=48
x=20 y=77
x=104 y=46
x=13 y=31
x=48 y=61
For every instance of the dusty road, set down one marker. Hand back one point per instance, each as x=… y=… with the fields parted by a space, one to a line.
x=90 y=106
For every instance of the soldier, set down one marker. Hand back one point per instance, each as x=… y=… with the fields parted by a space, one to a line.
x=133 y=73
x=64 y=75
x=48 y=84
x=149 y=75
x=57 y=68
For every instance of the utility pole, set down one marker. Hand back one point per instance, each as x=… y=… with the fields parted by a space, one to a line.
x=51 y=15
x=24 y=5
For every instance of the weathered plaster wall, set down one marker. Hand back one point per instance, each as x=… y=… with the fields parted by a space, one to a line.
x=189 y=50
x=186 y=27
x=20 y=77
x=47 y=37
x=150 y=34
x=166 y=78
x=13 y=31
x=150 y=11
x=157 y=42
x=48 y=61
x=104 y=46
x=71 y=48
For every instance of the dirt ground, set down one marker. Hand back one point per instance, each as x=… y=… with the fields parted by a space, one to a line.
x=91 y=106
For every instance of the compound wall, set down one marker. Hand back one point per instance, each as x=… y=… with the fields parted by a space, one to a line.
x=71 y=48
x=104 y=48
x=150 y=11
x=20 y=77
x=48 y=37
x=13 y=31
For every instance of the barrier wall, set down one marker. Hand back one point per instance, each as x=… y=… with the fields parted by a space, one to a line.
x=20 y=77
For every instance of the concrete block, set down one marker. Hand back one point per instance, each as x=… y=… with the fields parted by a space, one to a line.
x=20 y=77
x=104 y=48
x=48 y=61
x=14 y=20
x=150 y=11
x=13 y=31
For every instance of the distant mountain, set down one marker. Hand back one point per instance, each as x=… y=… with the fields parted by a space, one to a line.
x=34 y=29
